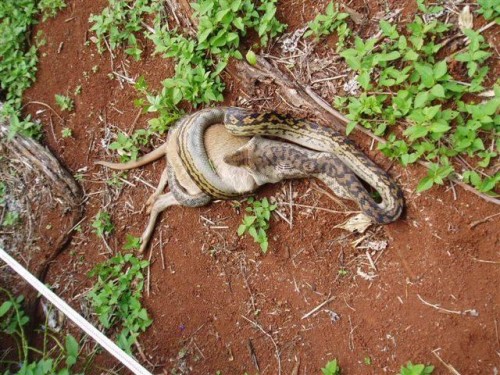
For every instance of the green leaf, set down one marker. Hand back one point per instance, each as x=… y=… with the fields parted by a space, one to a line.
x=364 y=80
x=438 y=91
x=71 y=350
x=132 y=242
x=426 y=74
x=440 y=69
x=251 y=57
x=421 y=99
x=331 y=368
x=350 y=127
x=425 y=184
x=5 y=308
x=439 y=127
x=411 y=55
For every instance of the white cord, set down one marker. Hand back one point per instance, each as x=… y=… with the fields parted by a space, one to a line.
x=88 y=328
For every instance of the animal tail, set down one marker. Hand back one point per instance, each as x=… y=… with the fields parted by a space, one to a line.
x=146 y=159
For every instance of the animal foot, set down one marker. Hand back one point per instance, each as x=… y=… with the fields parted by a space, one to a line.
x=144 y=244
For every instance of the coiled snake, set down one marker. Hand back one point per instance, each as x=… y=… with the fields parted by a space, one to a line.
x=241 y=122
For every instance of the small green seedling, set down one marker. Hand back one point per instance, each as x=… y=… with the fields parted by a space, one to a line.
x=331 y=368
x=258 y=223
x=65 y=103
x=419 y=369
x=102 y=224
x=343 y=272
x=66 y=133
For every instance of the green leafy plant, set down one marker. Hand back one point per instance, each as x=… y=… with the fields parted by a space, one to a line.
x=49 y=8
x=102 y=224
x=332 y=20
x=251 y=57
x=11 y=218
x=19 y=59
x=126 y=147
x=116 y=179
x=403 y=82
x=475 y=53
x=116 y=296
x=199 y=62
x=257 y=223
x=490 y=9
x=65 y=103
x=331 y=368
x=435 y=175
x=132 y=243
x=66 y=133
x=119 y=23
x=18 y=62
x=50 y=359
x=418 y=369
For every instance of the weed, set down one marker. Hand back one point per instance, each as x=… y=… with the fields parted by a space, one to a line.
x=343 y=272
x=116 y=297
x=419 y=369
x=116 y=179
x=102 y=224
x=258 y=223
x=118 y=24
x=490 y=9
x=132 y=243
x=221 y=25
x=66 y=133
x=49 y=8
x=128 y=147
x=65 y=103
x=332 y=20
x=56 y=359
x=367 y=361
x=11 y=218
x=331 y=368
x=414 y=87
x=18 y=59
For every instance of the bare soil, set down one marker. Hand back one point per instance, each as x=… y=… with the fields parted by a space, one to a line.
x=217 y=302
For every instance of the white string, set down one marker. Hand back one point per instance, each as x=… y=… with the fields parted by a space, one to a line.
x=88 y=328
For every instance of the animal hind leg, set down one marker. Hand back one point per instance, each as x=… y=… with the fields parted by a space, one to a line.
x=161 y=203
x=159 y=190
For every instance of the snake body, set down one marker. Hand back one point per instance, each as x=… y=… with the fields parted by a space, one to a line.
x=313 y=136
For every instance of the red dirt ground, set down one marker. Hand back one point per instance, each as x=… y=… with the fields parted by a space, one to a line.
x=212 y=283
